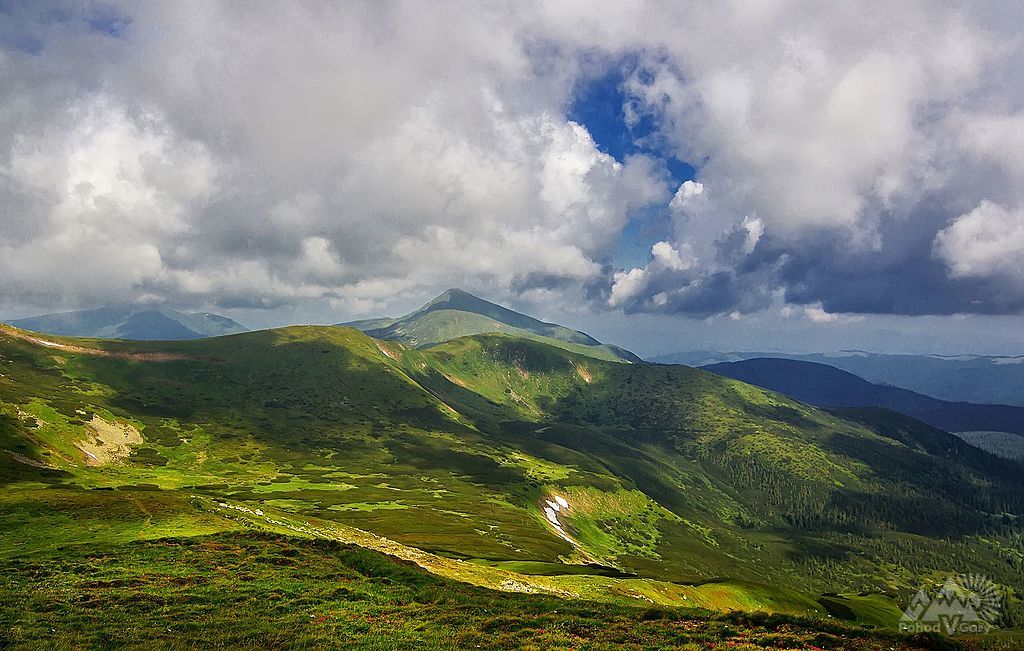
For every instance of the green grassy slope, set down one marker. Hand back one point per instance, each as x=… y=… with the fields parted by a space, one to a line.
x=457 y=300
x=369 y=324
x=439 y=326
x=746 y=465
x=684 y=488
x=456 y=313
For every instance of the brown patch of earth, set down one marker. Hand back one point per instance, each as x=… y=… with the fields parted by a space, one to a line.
x=97 y=352
x=110 y=442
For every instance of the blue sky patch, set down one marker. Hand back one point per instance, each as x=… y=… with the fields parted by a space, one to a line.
x=598 y=104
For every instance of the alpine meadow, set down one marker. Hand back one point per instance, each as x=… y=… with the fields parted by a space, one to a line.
x=212 y=437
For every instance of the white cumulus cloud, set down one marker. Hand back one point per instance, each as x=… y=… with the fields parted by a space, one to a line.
x=987 y=241
x=358 y=153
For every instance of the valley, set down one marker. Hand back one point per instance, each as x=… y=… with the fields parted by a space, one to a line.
x=681 y=489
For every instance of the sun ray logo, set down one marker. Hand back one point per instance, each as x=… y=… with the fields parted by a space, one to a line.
x=966 y=603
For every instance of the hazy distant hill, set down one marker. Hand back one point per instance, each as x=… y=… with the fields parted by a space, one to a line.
x=457 y=313
x=132 y=323
x=969 y=378
x=827 y=386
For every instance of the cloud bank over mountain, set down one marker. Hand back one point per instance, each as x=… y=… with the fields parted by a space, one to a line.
x=849 y=160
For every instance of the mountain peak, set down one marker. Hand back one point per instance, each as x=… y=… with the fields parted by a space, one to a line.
x=457 y=313
x=456 y=291
x=463 y=301
x=458 y=297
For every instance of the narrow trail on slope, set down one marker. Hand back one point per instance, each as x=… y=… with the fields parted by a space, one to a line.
x=145 y=512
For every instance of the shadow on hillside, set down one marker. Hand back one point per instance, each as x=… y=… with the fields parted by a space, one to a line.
x=295 y=393
x=21 y=457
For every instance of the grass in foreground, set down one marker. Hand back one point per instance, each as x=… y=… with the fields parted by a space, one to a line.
x=258 y=590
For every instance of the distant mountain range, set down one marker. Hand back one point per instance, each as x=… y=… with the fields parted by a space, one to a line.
x=826 y=386
x=457 y=313
x=132 y=323
x=979 y=379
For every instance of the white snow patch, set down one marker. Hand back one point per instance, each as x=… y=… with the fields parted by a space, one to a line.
x=552 y=516
x=561 y=501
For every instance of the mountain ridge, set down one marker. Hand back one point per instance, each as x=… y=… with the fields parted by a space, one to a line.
x=978 y=379
x=823 y=385
x=135 y=323
x=457 y=313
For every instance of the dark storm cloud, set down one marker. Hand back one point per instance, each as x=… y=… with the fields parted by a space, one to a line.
x=903 y=276
x=902 y=279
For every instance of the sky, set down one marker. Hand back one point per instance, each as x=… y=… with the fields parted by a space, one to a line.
x=757 y=175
